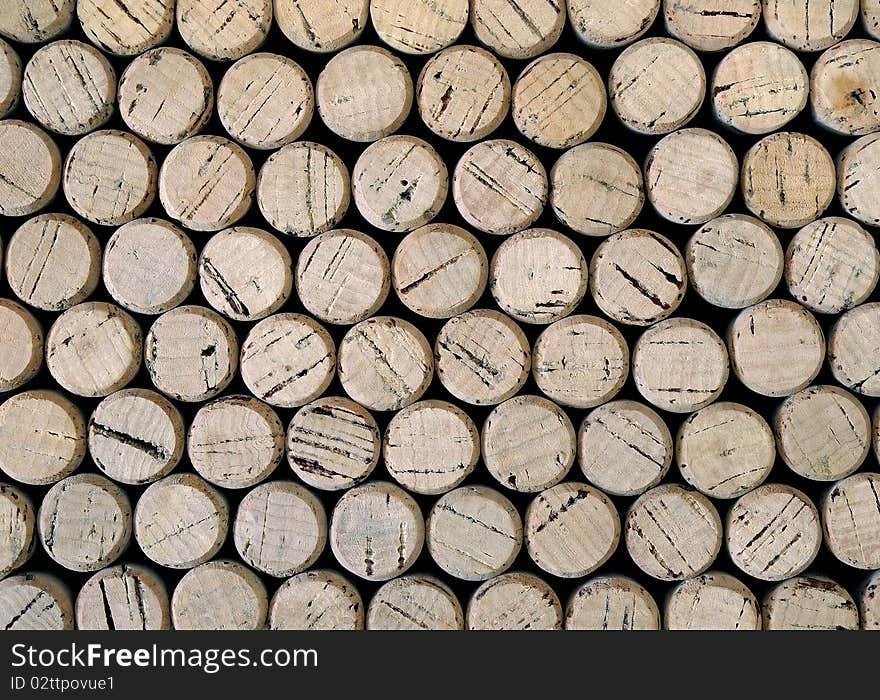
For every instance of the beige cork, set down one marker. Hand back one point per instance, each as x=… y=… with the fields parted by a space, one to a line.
x=35 y=602
x=419 y=26
x=711 y=25
x=288 y=360
x=514 y=601
x=439 y=270
x=136 y=436
x=711 y=601
x=624 y=448
x=191 y=353
x=125 y=597
x=805 y=25
x=520 y=29
x=857 y=179
x=42 y=437
x=482 y=357
x=21 y=345
x=181 y=521
x=529 y=443
x=612 y=603
x=316 y=600
x=280 y=528
x=224 y=30
x=463 y=93
x=377 y=531
x=851 y=520
x=474 y=533
x=430 y=447
x=871 y=17
x=371 y=107
x=843 y=84
x=333 y=443
x=10 y=79
x=36 y=21
x=500 y=187
x=415 y=603
x=126 y=29
x=869 y=602
x=810 y=603
x=314 y=25
x=18 y=523
x=608 y=24
x=581 y=361
x=673 y=533
x=734 y=261
x=30 y=164
x=265 y=101
x=638 y=277
x=538 y=276
x=220 y=595
x=854 y=349
x=149 y=266
x=760 y=340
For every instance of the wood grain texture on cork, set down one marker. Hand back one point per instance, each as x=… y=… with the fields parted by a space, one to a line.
x=419 y=26
x=125 y=597
x=35 y=21
x=314 y=25
x=415 y=603
x=612 y=603
x=19 y=525
x=126 y=29
x=854 y=349
x=30 y=164
x=521 y=29
x=21 y=345
x=711 y=25
x=220 y=595
x=224 y=30
x=810 y=603
x=514 y=601
x=871 y=17
x=869 y=602
x=843 y=85
x=712 y=601
x=851 y=520
x=857 y=179
x=316 y=600
x=35 y=601
x=607 y=24
x=10 y=79
x=805 y=25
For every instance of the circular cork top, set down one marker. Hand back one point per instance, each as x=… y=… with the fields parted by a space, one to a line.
x=656 y=85
x=474 y=533
x=851 y=521
x=265 y=101
x=136 y=436
x=734 y=261
x=181 y=521
x=371 y=107
x=854 y=349
x=415 y=603
x=760 y=340
x=123 y=29
x=806 y=25
x=126 y=597
x=581 y=361
x=612 y=603
x=858 y=176
x=31 y=166
x=69 y=87
x=149 y=266
x=288 y=360
x=18 y=595
x=419 y=26
x=316 y=600
x=19 y=527
x=42 y=437
x=712 y=25
x=10 y=79
x=377 y=531
x=514 y=601
x=712 y=601
x=482 y=357
x=738 y=102
x=333 y=443
x=191 y=353
x=869 y=599
x=810 y=603
x=21 y=345
x=34 y=21
x=673 y=533
x=725 y=450
x=842 y=83
x=439 y=270
x=625 y=448
x=607 y=24
x=314 y=25
x=166 y=95
x=517 y=30
x=220 y=595
x=529 y=443
x=85 y=522
x=431 y=447
x=224 y=30
x=463 y=93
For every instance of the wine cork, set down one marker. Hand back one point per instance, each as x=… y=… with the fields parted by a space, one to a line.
x=37 y=601
x=624 y=448
x=842 y=84
x=810 y=26
x=854 y=348
x=439 y=270
x=773 y=532
x=431 y=447
x=810 y=603
x=656 y=86
x=34 y=21
x=265 y=101
x=514 y=601
x=415 y=603
x=316 y=600
x=377 y=531
x=166 y=95
x=612 y=603
x=19 y=525
x=207 y=183
x=871 y=17
x=499 y=187
x=851 y=520
x=869 y=603
x=126 y=597
x=191 y=353
x=823 y=433
x=280 y=528
x=333 y=443
x=581 y=361
x=712 y=601
x=288 y=360
x=385 y=363
x=607 y=24
x=734 y=261
x=691 y=176
x=482 y=357
x=759 y=87
x=10 y=79
x=30 y=165
x=538 y=276
x=314 y=25
x=149 y=266
x=126 y=29
x=136 y=436
x=42 y=437
x=220 y=595
x=711 y=25
x=85 y=522
x=463 y=93
x=788 y=179
x=181 y=521
x=760 y=341
x=21 y=345
x=371 y=107
x=399 y=183
x=474 y=533
x=521 y=29
x=224 y=30
x=857 y=180
x=235 y=442
x=529 y=443
x=673 y=533
x=110 y=177
x=419 y=26
x=725 y=450
x=571 y=529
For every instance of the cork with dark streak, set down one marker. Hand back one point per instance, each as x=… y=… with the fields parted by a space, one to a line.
x=871 y=17
x=843 y=88
x=611 y=603
x=126 y=27
x=712 y=601
x=608 y=24
x=30 y=165
x=125 y=597
x=19 y=526
x=318 y=599
x=869 y=602
x=419 y=26
x=851 y=520
x=224 y=30
x=415 y=603
x=36 y=21
x=857 y=179
x=711 y=25
x=314 y=25
x=514 y=601
x=518 y=28
x=220 y=595
x=810 y=603
x=21 y=345
x=810 y=25
x=854 y=349
x=10 y=79
x=34 y=602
